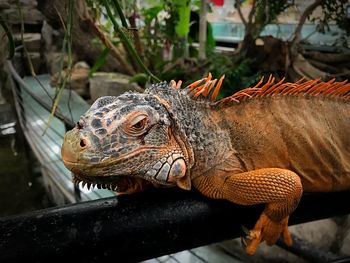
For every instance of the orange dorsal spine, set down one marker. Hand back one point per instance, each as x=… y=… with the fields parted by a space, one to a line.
x=209 y=88
x=330 y=89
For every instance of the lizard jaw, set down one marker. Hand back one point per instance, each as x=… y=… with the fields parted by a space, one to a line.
x=120 y=184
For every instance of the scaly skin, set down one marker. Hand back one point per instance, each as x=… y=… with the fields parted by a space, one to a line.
x=261 y=145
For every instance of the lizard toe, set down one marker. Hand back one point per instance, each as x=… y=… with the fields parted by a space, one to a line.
x=253 y=241
x=267 y=230
x=287 y=237
x=273 y=230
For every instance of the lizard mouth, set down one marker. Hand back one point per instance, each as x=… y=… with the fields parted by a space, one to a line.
x=120 y=184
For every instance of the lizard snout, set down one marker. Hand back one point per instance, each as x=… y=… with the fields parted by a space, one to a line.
x=68 y=153
x=72 y=147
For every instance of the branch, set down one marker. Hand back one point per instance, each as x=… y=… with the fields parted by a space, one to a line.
x=251 y=13
x=120 y=13
x=128 y=31
x=307 y=12
x=108 y=43
x=127 y=43
x=247 y=24
x=135 y=33
x=84 y=15
x=238 y=7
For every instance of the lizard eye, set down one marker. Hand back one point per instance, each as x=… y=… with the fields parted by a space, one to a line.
x=138 y=125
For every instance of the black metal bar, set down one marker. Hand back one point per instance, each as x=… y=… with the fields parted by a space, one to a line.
x=140 y=226
x=308 y=251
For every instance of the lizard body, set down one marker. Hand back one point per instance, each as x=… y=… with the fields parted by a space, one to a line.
x=293 y=133
x=265 y=144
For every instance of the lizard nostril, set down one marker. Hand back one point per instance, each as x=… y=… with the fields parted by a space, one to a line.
x=82 y=143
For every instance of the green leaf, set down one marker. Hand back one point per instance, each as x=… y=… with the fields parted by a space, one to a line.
x=183 y=24
x=210 y=43
x=120 y=13
x=151 y=13
x=99 y=61
x=128 y=45
x=140 y=78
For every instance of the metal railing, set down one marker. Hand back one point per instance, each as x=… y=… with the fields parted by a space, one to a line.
x=33 y=108
x=68 y=122
x=136 y=227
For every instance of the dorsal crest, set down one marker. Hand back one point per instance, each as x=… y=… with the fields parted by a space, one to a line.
x=206 y=87
x=209 y=89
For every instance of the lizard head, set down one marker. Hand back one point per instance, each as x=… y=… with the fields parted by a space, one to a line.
x=126 y=143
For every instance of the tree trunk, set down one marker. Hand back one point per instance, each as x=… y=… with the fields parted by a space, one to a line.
x=83 y=47
x=328 y=57
x=307 y=12
x=298 y=66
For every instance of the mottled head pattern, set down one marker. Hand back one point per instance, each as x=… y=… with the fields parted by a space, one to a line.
x=127 y=140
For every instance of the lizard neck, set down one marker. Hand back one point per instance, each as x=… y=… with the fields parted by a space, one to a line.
x=203 y=130
x=206 y=131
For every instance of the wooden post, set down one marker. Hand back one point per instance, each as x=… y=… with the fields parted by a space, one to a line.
x=202 y=30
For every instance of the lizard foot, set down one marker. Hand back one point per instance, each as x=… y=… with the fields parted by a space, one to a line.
x=266 y=230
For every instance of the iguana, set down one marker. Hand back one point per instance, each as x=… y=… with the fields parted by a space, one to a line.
x=264 y=144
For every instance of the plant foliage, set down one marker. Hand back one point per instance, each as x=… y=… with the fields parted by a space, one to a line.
x=333 y=11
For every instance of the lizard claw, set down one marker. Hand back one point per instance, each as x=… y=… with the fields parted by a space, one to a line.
x=252 y=241
x=243 y=242
x=245 y=230
x=247 y=239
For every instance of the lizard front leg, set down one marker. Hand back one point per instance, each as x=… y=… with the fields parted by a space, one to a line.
x=280 y=189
